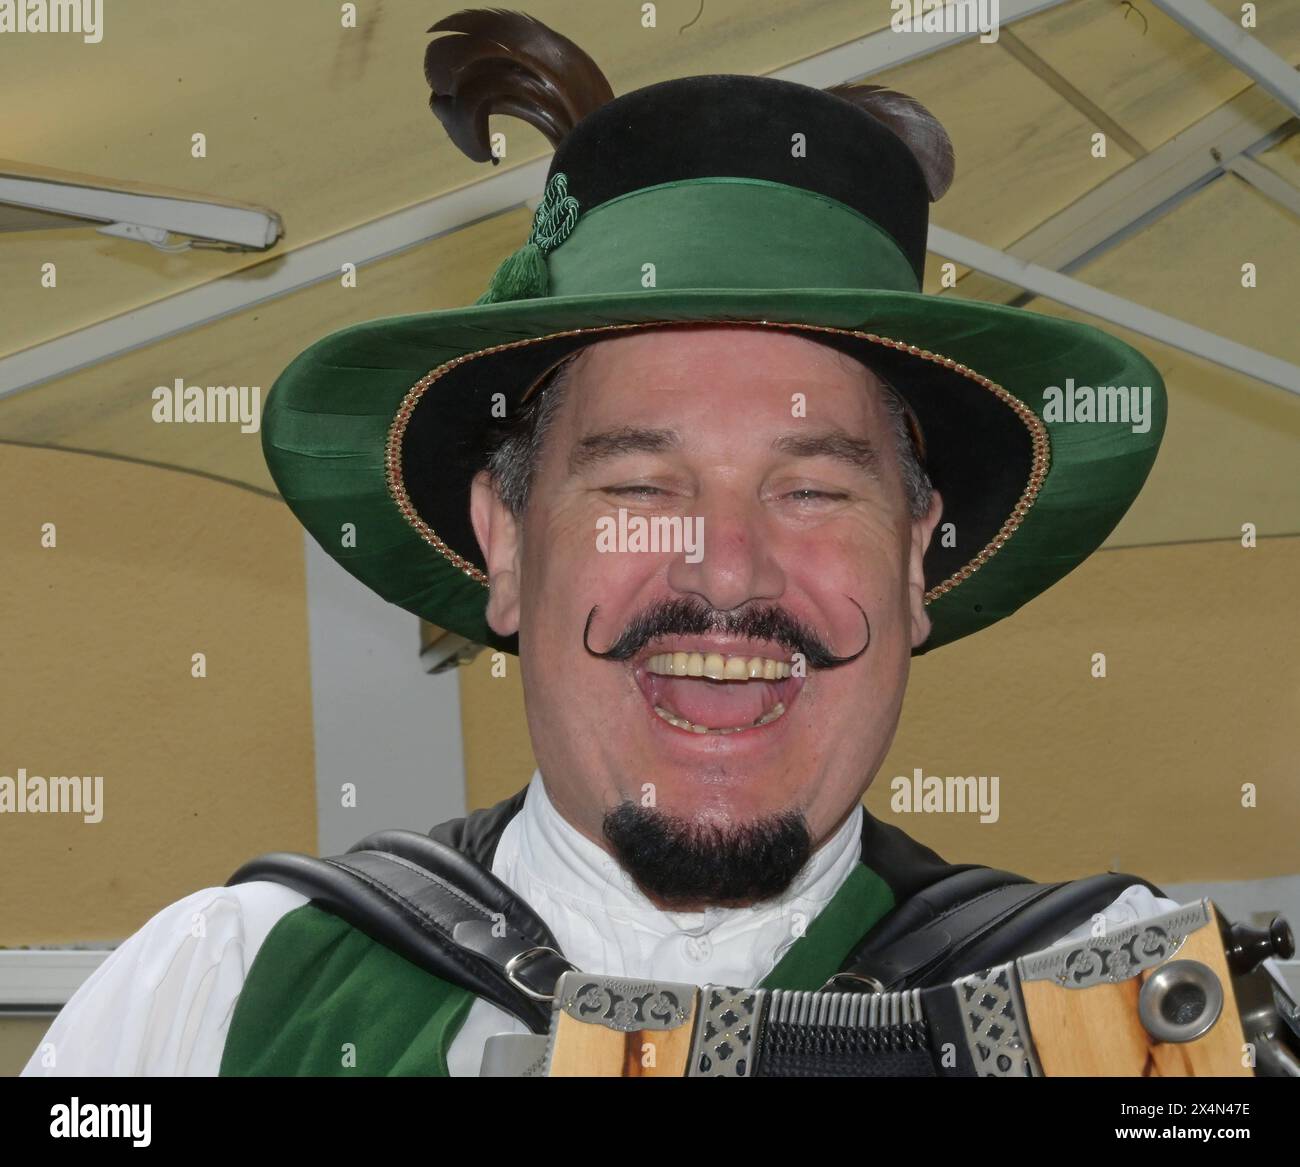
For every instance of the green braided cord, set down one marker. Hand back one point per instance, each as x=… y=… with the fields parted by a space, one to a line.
x=556 y=214
x=523 y=275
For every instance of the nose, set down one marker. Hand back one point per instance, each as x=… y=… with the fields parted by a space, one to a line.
x=736 y=560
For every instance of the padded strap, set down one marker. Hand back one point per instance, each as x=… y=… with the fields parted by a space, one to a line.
x=451 y=918
x=974 y=919
x=463 y=872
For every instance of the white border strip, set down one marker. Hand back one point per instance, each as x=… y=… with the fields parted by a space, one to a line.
x=36 y=980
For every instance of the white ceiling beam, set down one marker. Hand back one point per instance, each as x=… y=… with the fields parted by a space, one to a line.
x=1116 y=310
x=1155 y=183
x=1228 y=39
x=1269 y=183
x=311 y=264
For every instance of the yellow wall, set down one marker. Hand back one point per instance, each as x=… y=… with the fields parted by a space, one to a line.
x=1140 y=771
x=19 y=1036
x=150 y=567
x=153 y=563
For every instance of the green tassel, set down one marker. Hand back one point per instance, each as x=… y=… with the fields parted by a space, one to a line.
x=522 y=276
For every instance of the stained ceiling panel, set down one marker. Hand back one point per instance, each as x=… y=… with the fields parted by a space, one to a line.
x=329 y=127
x=1284 y=159
x=1144 y=70
x=1232 y=449
x=1023 y=152
x=107 y=409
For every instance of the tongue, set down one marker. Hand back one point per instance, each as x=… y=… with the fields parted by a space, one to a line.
x=716 y=704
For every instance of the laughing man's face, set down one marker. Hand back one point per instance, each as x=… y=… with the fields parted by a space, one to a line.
x=778 y=453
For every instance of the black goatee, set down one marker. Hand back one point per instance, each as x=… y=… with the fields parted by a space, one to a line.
x=683 y=865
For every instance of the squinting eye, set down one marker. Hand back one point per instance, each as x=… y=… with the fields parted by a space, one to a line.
x=811 y=495
x=638 y=491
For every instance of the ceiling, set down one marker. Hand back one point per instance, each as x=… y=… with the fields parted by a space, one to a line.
x=330 y=128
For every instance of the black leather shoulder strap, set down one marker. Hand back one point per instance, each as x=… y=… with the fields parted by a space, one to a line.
x=478 y=833
x=436 y=907
x=976 y=918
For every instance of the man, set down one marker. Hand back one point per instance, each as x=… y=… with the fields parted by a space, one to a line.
x=706 y=521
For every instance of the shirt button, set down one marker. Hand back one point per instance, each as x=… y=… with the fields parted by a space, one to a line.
x=697 y=949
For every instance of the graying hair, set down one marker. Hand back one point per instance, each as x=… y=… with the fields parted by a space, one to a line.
x=517 y=445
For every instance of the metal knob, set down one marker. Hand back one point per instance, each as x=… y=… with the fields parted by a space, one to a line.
x=1180 y=1001
x=1246 y=946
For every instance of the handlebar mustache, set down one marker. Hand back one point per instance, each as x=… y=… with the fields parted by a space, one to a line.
x=684 y=617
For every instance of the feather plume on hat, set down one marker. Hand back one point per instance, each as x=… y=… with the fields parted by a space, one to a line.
x=922 y=133
x=506 y=62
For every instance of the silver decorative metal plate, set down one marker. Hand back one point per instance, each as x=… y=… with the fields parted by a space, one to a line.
x=1118 y=955
x=624 y=1004
x=723 y=1045
x=993 y=1020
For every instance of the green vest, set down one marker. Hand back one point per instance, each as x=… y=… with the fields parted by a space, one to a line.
x=323 y=999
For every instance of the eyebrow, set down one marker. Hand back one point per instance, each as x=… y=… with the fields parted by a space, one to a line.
x=857 y=453
x=611 y=443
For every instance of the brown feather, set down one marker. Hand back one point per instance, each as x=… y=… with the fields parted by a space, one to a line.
x=507 y=62
x=919 y=129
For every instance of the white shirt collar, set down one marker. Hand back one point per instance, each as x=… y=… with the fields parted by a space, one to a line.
x=604 y=924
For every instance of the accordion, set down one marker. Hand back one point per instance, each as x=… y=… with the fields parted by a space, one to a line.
x=1179 y=994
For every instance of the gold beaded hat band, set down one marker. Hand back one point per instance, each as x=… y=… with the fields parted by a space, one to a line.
x=716 y=200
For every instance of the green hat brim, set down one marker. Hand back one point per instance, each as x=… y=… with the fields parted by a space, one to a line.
x=334 y=419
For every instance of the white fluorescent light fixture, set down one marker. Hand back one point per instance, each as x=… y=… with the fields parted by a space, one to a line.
x=39 y=198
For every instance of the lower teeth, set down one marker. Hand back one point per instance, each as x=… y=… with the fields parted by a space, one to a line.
x=770 y=716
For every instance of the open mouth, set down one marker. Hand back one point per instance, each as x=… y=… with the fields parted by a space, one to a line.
x=703 y=690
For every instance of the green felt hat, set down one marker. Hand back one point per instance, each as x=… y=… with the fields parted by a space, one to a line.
x=753 y=203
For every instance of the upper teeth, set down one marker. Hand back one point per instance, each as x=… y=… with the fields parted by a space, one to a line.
x=718 y=667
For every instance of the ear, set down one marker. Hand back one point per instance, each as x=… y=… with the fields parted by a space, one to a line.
x=922 y=531
x=498 y=539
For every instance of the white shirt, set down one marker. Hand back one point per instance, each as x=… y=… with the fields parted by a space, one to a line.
x=162 y=1002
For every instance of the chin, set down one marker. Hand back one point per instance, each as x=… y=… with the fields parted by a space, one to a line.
x=716 y=788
